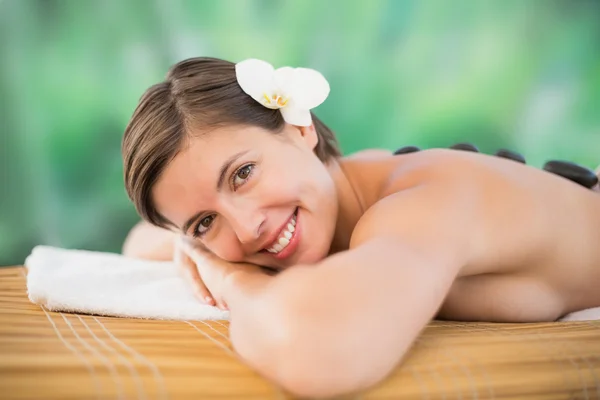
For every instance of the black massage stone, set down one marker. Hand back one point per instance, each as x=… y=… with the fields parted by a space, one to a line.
x=465 y=147
x=511 y=155
x=573 y=172
x=406 y=150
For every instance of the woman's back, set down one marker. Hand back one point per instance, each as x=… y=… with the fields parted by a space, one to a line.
x=535 y=254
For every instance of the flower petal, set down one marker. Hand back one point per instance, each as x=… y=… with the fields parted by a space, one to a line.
x=256 y=77
x=296 y=116
x=310 y=88
x=285 y=79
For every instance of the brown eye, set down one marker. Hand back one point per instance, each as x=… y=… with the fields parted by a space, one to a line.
x=244 y=172
x=204 y=225
x=206 y=221
x=241 y=175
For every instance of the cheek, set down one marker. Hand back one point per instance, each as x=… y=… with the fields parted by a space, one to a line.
x=300 y=177
x=226 y=246
x=279 y=184
x=317 y=187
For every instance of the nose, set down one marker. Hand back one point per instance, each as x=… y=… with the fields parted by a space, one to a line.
x=247 y=223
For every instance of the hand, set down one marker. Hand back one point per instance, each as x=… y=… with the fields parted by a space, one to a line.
x=206 y=272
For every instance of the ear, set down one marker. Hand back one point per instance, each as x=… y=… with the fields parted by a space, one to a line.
x=309 y=135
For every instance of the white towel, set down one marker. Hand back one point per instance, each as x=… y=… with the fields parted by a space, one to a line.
x=112 y=285
x=583 y=315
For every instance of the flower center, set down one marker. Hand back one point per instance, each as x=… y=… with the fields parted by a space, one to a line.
x=274 y=101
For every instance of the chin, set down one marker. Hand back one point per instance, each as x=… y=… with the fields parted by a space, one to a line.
x=307 y=258
x=315 y=255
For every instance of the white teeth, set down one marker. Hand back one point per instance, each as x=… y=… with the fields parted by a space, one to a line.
x=285 y=237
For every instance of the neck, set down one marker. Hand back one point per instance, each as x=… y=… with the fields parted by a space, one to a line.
x=351 y=206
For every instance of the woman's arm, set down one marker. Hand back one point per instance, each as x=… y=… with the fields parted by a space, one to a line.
x=150 y=242
x=153 y=243
x=344 y=324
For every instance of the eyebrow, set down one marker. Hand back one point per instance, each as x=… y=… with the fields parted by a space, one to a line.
x=222 y=174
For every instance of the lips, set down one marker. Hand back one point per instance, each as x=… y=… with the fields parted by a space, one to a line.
x=284 y=237
x=286 y=240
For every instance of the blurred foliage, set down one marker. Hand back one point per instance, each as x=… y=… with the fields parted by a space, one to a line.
x=518 y=74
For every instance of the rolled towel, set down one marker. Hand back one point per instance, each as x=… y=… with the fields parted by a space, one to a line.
x=112 y=285
x=109 y=284
x=583 y=315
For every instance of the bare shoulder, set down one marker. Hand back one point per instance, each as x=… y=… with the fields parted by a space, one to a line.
x=438 y=167
x=377 y=173
x=496 y=204
x=527 y=229
x=422 y=201
x=367 y=154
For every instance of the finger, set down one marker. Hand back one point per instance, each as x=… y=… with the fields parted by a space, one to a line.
x=196 y=253
x=199 y=258
x=193 y=276
x=190 y=271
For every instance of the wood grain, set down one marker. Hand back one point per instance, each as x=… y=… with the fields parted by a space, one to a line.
x=47 y=355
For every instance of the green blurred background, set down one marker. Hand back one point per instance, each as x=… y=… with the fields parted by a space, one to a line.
x=518 y=74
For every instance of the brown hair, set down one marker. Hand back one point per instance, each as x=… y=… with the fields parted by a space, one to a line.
x=197 y=93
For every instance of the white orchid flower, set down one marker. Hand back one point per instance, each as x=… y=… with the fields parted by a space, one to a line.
x=294 y=91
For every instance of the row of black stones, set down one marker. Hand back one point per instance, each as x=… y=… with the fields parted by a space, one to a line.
x=571 y=171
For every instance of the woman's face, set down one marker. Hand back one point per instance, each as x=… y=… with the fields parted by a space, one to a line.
x=252 y=196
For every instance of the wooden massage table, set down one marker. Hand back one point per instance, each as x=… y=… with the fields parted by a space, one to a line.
x=47 y=355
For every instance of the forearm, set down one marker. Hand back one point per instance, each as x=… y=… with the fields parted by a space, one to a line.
x=356 y=313
x=365 y=309
x=150 y=242
x=256 y=317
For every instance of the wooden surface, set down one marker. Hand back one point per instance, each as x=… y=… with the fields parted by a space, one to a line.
x=46 y=355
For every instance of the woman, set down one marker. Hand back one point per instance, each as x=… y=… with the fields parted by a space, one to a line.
x=367 y=249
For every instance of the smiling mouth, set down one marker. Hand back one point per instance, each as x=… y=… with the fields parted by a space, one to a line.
x=285 y=236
